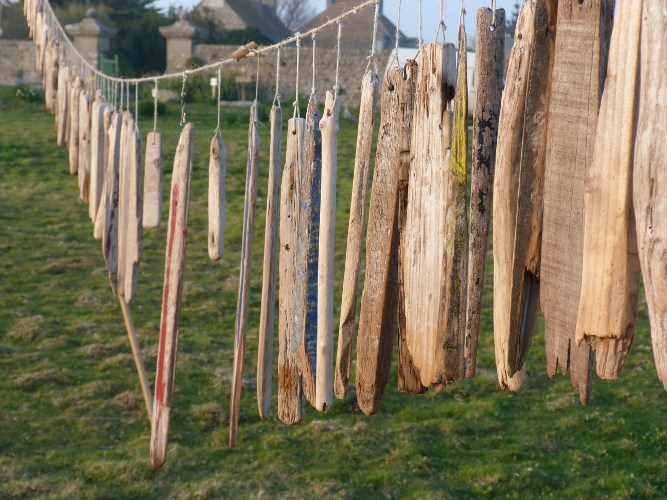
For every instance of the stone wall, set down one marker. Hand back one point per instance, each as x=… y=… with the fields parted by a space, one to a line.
x=352 y=67
x=18 y=62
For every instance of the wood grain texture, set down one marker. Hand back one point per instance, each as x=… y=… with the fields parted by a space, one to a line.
x=217 y=182
x=83 y=171
x=152 y=210
x=489 y=74
x=97 y=157
x=290 y=390
x=650 y=175
x=610 y=278
x=177 y=231
x=325 y=279
x=241 y=325
x=111 y=193
x=580 y=58
x=271 y=245
x=409 y=380
x=62 y=107
x=100 y=218
x=355 y=232
x=425 y=236
x=73 y=142
x=377 y=317
x=51 y=75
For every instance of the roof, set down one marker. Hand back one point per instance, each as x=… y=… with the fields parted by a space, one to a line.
x=257 y=15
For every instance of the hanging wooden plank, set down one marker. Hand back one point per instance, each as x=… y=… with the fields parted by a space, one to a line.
x=290 y=390
x=355 y=232
x=97 y=157
x=110 y=232
x=308 y=182
x=271 y=244
x=100 y=219
x=241 y=326
x=425 y=238
x=610 y=278
x=179 y=205
x=582 y=44
x=51 y=75
x=650 y=176
x=489 y=74
x=73 y=143
x=152 y=209
x=377 y=317
x=217 y=172
x=62 y=107
x=83 y=170
x=409 y=380
x=325 y=280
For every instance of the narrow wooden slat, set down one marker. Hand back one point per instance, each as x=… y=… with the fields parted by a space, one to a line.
x=327 y=234
x=241 y=326
x=271 y=245
x=100 y=218
x=355 y=232
x=73 y=143
x=83 y=170
x=110 y=226
x=217 y=173
x=650 y=175
x=425 y=244
x=377 y=317
x=152 y=210
x=97 y=157
x=179 y=204
x=51 y=76
x=290 y=391
x=582 y=44
x=62 y=108
x=489 y=50
x=610 y=278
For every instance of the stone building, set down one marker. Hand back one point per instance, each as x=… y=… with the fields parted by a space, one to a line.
x=243 y=14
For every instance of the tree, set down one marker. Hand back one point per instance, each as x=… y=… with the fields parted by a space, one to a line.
x=511 y=23
x=294 y=13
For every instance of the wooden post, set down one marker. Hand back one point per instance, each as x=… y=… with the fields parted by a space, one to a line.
x=241 y=326
x=73 y=143
x=152 y=210
x=377 y=318
x=290 y=391
x=217 y=174
x=489 y=73
x=355 y=232
x=610 y=278
x=179 y=205
x=582 y=44
x=110 y=226
x=271 y=244
x=97 y=157
x=650 y=176
x=325 y=283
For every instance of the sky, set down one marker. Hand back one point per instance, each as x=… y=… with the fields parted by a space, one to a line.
x=409 y=14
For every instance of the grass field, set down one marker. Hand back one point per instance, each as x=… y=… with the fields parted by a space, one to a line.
x=72 y=419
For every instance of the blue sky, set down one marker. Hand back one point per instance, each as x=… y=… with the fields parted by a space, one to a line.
x=409 y=13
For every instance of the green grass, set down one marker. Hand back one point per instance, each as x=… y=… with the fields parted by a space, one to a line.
x=72 y=419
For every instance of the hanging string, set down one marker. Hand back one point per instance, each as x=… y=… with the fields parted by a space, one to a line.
x=462 y=19
x=313 y=97
x=217 y=129
x=372 y=58
x=340 y=31
x=398 y=35
x=276 y=98
x=297 y=112
x=257 y=80
x=155 y=110
x=136 y=106
x=492 y=26
x=185 y=79
x=421 y=22
x=441 y=25
x=120 y=106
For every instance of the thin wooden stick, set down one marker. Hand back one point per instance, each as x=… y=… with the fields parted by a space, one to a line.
x=650 y=176
x=271 y=245
x=489 y=50
x=217 y=173
x=152 y=209
x=355 y=232
x=138 y=359
x=241 y=326
x=165 y=376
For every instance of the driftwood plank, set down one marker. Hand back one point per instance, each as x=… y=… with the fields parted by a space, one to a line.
x=425 y=238
x=290 y=391
x=327 y=234
x=271 y=244
x=241 y=326
x=409 y=380
x=62 y=108
x=73 y=142
x=83 y=170
x=489 y=50
x=97 y=157
x=377 y=317
x=110 y=226
x=610 y=278
x=582 y=44
x=650 y=176
x=51 y=75
x=179 y=204
x=100 y=218
x=355 y=232
x=152 y=209
x=217 y=174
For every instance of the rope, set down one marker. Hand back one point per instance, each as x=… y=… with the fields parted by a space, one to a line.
x=421 y=22
x=340 y=31
x=462 y=19
x=155 y=110
x=313 y=97
x=136 y=106
x=297 y=112
x=398 y=35
x=492 y=26
x=441 y=25
x=217 y=129
x=374 y=39
x=276 y=98
x=185 y=79
x=257 y=80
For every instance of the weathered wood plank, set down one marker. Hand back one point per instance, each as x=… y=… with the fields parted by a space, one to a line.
x=152 y=210
x=110 y=226
x=51 y=75
x=83 y=169
x=241 y=326
x=650 y=175
x=355 y=232
x=73 y=143
x=62 y=107
x=217 y=178
x=290 y=391
x=327 y=235
x=179 y=205
x=425 y=245
x=271 y=245
x=489 y=74
x=97 y=157
x=100 y=218
x=582 y=44
x=610 y=278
